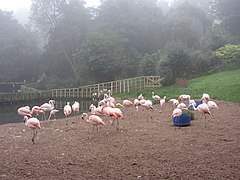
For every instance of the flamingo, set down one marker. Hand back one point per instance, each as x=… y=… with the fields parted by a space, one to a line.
x=126 y=103
x=140 y=97
x=162 y=101
x=148 y=106
x=156 y=97
x=177 y=113
x=75 y=108
x=203 y=108
x=115 y=113
x=53 y=113
x=47 y=107
x=205 y=97
x=96 y=110
x=34 y=124
x=37 y=110
x=192 y=104
x=175 y=102
x=184 y=98
x=24 y=111
x=67 y=110
x=94 y=120
x=182 y=106
x=136 y=102
x=212 y=104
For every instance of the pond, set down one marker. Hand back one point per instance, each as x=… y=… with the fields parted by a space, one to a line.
x=8 y=113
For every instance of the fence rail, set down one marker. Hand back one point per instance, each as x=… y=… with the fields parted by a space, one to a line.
x=119 y=86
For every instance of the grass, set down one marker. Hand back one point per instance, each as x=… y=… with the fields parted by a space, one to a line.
x=222 y=86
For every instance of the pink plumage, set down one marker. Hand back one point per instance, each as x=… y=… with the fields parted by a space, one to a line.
x=94 y=120
x=204 y=108
x=34 y=124
x=67 y=110
x=176 y=112
x=127 y=102
x=24 y=111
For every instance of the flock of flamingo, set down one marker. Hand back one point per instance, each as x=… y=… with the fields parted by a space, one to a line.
x=108 y=107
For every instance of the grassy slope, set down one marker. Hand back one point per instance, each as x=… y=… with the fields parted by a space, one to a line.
x=222 y=86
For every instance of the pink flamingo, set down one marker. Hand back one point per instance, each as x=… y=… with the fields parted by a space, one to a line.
x=184 y=98
x=140 y=97
x=114 y=113
x=205 y=97
x=192 y=104
x=162 y=101
x=136 y=102
x=126 y=103
x=182 y=106
x=53 y=113
x=47 y=107
x=94 y=120
x=156 y=97
x=34 y=124
x=177 y=113
x=212 y=104
x=148 y=105
x=75 y=108
x=96 y=110
x=67 y=110
x=175 y=102
x=37 y=110
x=24 y=111
x=203 y=108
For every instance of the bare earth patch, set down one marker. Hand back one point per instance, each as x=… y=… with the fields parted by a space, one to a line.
x=141 y=150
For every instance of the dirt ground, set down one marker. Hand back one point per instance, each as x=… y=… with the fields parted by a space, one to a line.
x=140 y=150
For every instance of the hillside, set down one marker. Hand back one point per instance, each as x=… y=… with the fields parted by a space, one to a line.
x=222 y=86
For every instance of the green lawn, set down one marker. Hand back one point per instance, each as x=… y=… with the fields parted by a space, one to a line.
x=222 y=86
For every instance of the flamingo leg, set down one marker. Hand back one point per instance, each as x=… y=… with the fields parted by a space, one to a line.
x=34 y=134
x=117 y=125
x=178 y=123
x=205 y=120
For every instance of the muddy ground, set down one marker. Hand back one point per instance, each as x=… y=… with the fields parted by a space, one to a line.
x=140 y=150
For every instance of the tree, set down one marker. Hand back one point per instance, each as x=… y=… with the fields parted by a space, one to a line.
x=228 y=13
x=100 y=58
x=230 y=53
x=18 y=50
x=139 y=21
x=187 y=24
x=148 y=64
x=174 y=62
x=64 y=24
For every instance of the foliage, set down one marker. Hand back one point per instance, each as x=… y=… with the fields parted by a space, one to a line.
x=64 y=24
x=100 y=57
x=148 y=64
x=229 y=14
x=178 y=60
x=18 y=51
x=229 y=52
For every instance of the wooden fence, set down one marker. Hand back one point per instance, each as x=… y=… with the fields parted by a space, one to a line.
x=119 y=86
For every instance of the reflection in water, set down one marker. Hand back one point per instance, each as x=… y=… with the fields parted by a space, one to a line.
x=8 y=113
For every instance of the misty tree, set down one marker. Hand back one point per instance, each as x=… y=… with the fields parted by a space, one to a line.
x=188 y=24
x=100 y=58
x=18 y=50
x=139 y=21
x=228 y=13
x=64 y=24
x=175 y=62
